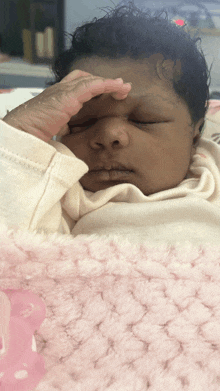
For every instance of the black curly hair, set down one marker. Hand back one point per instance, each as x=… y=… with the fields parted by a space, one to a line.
x=129 y=31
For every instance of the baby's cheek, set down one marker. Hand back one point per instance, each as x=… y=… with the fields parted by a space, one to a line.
x=174 y=164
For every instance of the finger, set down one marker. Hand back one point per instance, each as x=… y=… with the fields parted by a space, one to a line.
x=119 y=96
x=96 y=87
x=87 y=78
x=74 y=75
x=122 y=93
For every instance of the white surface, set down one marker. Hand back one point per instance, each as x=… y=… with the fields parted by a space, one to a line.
x=19 y=67
x=10 y=100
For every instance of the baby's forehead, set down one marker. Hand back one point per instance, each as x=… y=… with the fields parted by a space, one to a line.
x=125 y=67
x=149 y=65
x=143 y=74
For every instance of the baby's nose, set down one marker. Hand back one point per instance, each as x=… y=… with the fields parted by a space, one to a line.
x=109 y=133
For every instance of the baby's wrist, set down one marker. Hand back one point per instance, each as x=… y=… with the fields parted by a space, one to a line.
x=44 y=136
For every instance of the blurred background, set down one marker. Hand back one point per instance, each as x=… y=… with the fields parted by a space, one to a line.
x=34 y=32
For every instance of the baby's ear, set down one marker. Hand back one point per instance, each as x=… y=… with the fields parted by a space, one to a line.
x=177 y=71
x=168 y=69
x=172 y=70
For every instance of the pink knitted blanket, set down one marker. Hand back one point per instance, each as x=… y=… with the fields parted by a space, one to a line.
x=119 y=317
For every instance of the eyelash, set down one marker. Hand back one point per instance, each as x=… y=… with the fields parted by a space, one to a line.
x=143 y=123
x=93 y=121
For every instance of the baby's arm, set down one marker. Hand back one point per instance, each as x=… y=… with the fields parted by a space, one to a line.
x=33 y=179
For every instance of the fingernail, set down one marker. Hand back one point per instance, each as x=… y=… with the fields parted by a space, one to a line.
x=119 y=79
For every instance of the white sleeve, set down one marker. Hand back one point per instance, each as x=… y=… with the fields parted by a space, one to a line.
x=34 y=177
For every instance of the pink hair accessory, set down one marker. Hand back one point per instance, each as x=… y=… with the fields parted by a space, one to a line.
x=21 y=314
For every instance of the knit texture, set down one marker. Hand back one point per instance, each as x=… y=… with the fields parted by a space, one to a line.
x=119 y=317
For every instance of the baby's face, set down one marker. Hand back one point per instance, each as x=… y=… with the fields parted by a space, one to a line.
x=150 y=132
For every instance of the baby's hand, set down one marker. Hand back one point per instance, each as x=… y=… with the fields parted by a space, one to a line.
x=48 y=114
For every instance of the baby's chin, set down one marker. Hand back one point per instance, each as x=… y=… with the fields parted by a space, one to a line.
x=103 y=186
x=146 y=187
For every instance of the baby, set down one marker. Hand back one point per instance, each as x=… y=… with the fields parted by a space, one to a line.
x=127 y=107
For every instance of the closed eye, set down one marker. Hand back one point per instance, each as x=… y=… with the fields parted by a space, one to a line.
x=92 y=121
x=143 y=123
x=85 y=125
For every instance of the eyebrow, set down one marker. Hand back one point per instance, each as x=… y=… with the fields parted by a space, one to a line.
x=147 y=98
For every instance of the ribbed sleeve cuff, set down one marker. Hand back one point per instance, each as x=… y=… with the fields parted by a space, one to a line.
x=41 y=155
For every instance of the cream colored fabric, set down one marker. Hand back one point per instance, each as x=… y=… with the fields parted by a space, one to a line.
x=212 y=123
x=40 y=190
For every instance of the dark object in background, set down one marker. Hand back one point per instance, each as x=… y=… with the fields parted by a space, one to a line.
x=215 y=95
x=10 y=30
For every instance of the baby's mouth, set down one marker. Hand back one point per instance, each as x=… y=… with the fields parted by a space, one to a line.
x=110 y=167
x=111 y=175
